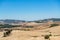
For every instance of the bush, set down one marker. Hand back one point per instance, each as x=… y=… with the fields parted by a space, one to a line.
x=52 y=25
x=46 y=36
x=6 y=26
x=28 y=26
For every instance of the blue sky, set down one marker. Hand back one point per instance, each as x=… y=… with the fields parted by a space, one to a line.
x=29 y=9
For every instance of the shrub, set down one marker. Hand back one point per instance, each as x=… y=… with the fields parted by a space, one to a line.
x=52 y=25
x=29 y=26
x=7 y=33
x=46 y=36
x=6 y=26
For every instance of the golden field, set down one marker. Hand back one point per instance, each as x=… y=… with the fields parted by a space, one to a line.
x=33 y=35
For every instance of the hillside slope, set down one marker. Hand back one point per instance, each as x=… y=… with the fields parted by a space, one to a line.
x=34 y=35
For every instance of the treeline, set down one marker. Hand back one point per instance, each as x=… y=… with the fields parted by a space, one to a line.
x=8 y=26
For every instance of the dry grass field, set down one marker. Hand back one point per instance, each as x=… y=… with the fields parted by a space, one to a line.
x=33 y=35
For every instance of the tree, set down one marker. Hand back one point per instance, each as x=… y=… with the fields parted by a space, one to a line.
x=7 y=33
x=52 y=25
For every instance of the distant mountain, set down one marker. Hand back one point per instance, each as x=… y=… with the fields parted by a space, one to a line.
x=38 y=21
x=45 y=20
x=53 y=19
x=11 y=21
